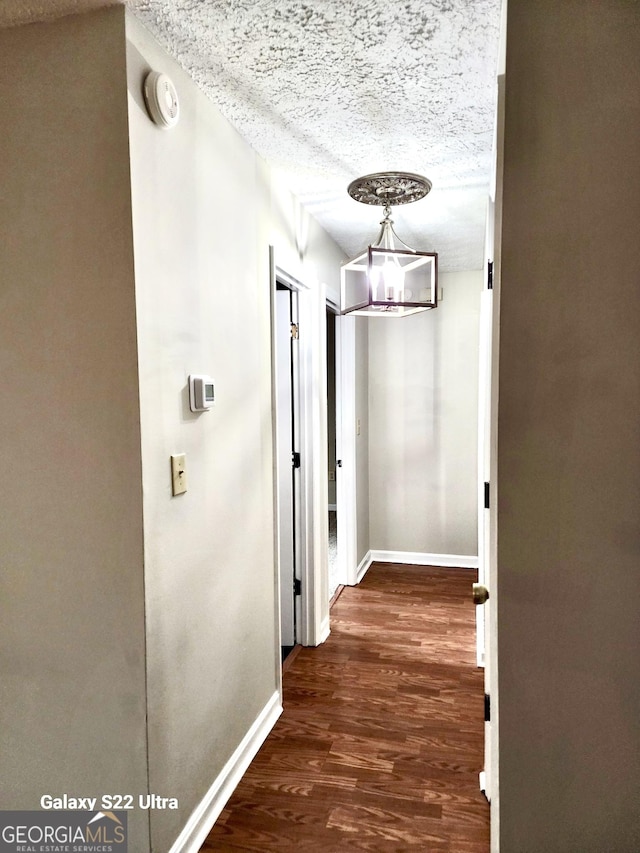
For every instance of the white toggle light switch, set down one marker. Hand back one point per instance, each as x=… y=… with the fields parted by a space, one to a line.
x=179 y=473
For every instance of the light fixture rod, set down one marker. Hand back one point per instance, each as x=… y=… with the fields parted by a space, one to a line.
x=387 y=237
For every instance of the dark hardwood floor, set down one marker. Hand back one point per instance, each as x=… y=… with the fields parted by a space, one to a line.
x=381 y=740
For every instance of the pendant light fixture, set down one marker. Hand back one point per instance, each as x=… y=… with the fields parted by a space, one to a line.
x=389 y=279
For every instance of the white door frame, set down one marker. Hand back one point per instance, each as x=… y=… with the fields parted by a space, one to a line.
x=489 y=557
x=334 y=310
x=312 y=432
x=493 y=686
x=484 y=462
x=485 y=636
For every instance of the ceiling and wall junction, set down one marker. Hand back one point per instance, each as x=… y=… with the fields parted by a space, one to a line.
x=328 y=91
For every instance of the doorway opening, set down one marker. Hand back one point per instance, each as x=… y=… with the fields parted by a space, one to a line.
x=334 y=568
x=287 y=464
x=300 y=452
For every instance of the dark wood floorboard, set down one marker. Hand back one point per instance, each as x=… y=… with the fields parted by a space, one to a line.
x=381 y=740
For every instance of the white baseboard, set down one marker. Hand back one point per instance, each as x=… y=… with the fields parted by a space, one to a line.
x=363 y=566
x=419 y=559
x=208 y=810
x=482 y=778
x=325 y=629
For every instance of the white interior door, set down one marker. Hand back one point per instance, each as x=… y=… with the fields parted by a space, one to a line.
x=285 y=449
x=483 y=612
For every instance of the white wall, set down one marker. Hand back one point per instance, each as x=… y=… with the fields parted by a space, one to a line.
x=301 y=247
x=423 y=403
x=568 y=443
x=72 y=627
x=202 y=277
x=204 y=214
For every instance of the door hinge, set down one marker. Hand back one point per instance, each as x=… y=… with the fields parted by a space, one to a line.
x=295 y=459
x=489 y=275
x=487 y=708
x=487 y=496
x=297 y=586
x=295 y=332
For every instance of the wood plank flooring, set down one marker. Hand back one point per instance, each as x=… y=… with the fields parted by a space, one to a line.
x=381 y=740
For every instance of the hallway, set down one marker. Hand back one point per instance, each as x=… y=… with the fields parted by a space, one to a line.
x=381 y=740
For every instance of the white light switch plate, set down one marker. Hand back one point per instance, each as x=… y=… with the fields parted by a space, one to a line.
x=179 y=473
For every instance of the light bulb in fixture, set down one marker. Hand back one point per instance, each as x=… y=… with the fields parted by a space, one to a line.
x=387 y=281
x=393 y=280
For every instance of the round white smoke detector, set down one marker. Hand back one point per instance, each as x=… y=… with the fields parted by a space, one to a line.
x=161 y=99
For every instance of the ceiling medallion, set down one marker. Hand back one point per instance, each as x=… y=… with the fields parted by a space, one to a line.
x=389 y=279
x=389 y=188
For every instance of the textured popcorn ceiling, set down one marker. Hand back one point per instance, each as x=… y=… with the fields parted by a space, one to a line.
x=328 y=90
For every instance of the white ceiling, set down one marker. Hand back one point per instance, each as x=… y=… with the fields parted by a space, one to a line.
x=329 y=90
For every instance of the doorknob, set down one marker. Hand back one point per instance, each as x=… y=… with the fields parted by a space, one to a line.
x=480 y=593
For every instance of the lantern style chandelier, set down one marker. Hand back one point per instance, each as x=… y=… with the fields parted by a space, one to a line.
x=389 y=279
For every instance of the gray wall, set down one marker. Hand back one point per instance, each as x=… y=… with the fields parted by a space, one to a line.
x=568 y=440
x=423 y=410
x=72 y=628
